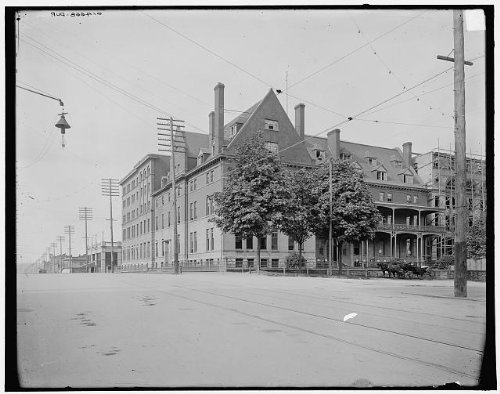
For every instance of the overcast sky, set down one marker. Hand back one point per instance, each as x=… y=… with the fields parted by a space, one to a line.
x=116 y=72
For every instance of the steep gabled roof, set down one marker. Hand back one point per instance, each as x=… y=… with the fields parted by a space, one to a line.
x=243 y=117
x=290 y=148
x=194 y=142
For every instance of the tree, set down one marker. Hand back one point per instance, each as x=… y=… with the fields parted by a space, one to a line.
x=254 y=194
x=298 y=218
x=354 y=214
x=476 y=239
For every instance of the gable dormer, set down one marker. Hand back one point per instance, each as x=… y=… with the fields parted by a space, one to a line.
x=345 y=156
x=380 y=172
x=406 y=176
x=357 y=167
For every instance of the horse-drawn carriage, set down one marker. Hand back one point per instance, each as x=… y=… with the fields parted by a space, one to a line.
x=402 y=269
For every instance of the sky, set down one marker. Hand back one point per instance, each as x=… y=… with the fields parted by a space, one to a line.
x=119 y=70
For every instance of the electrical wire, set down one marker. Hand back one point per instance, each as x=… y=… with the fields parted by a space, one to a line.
x=207 y=49
x=95 y=77
x=390 y=71
x=355 y=50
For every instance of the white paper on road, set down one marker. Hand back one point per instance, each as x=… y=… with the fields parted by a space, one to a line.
x=350 y=316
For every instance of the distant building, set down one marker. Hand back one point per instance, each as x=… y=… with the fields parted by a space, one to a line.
x=408 y=229
x=437 y=170
x=100 y=257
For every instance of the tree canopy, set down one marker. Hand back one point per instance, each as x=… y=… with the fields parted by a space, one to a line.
x=254 y=194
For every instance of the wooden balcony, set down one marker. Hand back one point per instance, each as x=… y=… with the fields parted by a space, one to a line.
x=410 y=228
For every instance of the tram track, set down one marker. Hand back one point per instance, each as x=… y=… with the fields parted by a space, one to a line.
x=309 y=331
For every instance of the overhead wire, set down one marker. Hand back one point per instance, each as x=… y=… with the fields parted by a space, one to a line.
x=95 y=77
x=206 y=49
x=389 y=69
x=355 y=50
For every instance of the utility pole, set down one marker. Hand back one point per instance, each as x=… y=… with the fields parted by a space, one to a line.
x=60 y=238
x=85 y=213
x=109 y=187
x=173 y=142
x=460 y=155
x=53 y=244
x=70 y=230
x=330 y=232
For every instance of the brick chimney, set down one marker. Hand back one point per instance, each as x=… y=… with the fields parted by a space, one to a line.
x=211 y=116
x=219 y=118
x=300 y=120
x=407 y=155
x=334 y=143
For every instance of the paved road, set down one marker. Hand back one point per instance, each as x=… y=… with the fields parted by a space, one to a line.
x=224 y=329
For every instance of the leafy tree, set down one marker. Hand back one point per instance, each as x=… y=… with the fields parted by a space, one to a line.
x=253 y=196
x=354 y=214
x=476 y=239
x=298 y=218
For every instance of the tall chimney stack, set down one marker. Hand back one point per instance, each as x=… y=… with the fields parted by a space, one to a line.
x=300 y=120
x=334 y=143
x=211 y=136
x=219 y=117
x=407 y=155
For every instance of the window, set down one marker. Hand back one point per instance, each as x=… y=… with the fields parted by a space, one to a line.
x=191 y=243
x=208 y=239
x=207 y=207
x=274 y=263
x=263 y=243
x=250 y=243
x=271 y=125
x=191 y=211
x=156 y=222
x=211 y=176
x=208 y=177
x=168 y=218
x=389 y=197
x=436 y=201
x=356 y=248
x=178 y=214
x=345 y=156
x=415 y=199
x=291 y=243
x=178 y=191
x=195 y=216
x=263 y=263
x=381 y=196
x=271 y=147
x=162 y=247
x=156 y=249
x=212 y=239
x=372 y=161
x=191 y=186
x=381 y=175
x=320 y=154
x=194 y=184
x=274 y=240
x=239 y=263
x=162 y=220
x=408 y=198
x=250 y=263
x=195 y=240
x=407 y=178
x=238 y=242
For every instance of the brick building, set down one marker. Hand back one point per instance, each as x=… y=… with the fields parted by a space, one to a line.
x=405 y=200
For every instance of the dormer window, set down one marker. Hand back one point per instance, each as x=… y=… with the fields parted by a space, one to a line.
x=381 y=175
x=200 y=159
x=407 y=178
x=271 y=147
x=271 y=125
x=320 y=154
x=345 y=156
x=372 y=161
